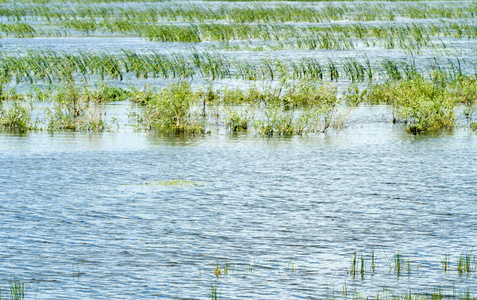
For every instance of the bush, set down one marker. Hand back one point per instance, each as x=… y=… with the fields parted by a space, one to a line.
x=170 y=110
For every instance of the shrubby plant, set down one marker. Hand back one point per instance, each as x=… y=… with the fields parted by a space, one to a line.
x=75 y=108
x=170 y=110
x=16 y=117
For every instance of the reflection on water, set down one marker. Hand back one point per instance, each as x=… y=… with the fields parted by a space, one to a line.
x=285 y=214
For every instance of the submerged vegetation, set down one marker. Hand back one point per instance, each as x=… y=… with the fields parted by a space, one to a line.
x=278 y=69
x=170 y=110
x=173 y=183
x=283 y=108
x=247 y=13
x=364 y=268
x=50 y=66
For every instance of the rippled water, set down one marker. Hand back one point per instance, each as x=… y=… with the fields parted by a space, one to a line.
x=285 y=215
x=91 y=216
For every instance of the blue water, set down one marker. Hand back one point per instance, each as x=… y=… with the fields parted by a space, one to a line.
x=284 y=214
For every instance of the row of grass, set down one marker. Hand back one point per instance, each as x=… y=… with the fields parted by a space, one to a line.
x=412 y=38
x=361 y=264
x=257 y=13
x=49 y=66
x=167 y=1
x=286 y=108
x=363 y=269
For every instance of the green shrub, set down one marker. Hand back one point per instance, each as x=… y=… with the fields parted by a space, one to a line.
x=170 y=110
x=16 y=117
x=75 y=108
x=423 y=105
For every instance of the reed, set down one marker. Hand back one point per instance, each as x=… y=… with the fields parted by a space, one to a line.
x=20 y=30
x=466 y=263
x=445 y=262
x=398 y=263
x=246 y=13
x=373 y=262
x=50 y=66
x=354 y=265
x=213 y=292
x=413 y=37
x=17 y=289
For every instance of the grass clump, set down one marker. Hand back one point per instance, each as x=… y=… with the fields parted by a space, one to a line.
x=75 y=108
x=17 y=289
x=423 y=106
x=16 y=117
x=466 y=263
x=173 y=182
x=170 y=110
x=238 y=120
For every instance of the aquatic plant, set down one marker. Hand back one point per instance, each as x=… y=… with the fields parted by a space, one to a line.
x=358 y=265
x=242 y=13
x=213 y=292
x=238 y=120
x=173 y=182
x=220 y=271
x=373 y=261
x=76 y=271
x=445 y=262
x=50 y=66
x=16 y=117
x=17 y=289
x=108 y=93
x=398 y=263
x=423 y=106
x=291 y=267
x=170 y=110
x=75 y=108
x=308 y=93
x=277 y=121
x=466 y=263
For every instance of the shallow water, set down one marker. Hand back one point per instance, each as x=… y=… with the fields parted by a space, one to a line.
x=286 y=215
x=99 y=216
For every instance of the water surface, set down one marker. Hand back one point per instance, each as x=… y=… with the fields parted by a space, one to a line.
x=285 y=214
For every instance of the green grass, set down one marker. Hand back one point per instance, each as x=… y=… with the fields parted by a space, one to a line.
x=284 y=108
x=247 y=13
x=173 y=183
x=17 y=289
x=466 y=263
x=16 y=117
x=171 y=110
x=411 y=37
x=50 y=66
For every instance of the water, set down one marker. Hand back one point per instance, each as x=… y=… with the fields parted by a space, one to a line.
x=90 y=216
x=285 y=215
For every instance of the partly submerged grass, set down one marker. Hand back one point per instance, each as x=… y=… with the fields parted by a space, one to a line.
x=286 y=107
x=246 y=13
x=173 y=183
x=411 y=37
x=50 y=66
